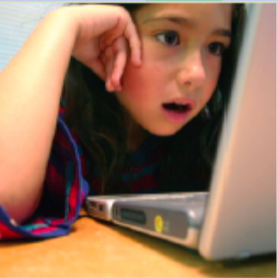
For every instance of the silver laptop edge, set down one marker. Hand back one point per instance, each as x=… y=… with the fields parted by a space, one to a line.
x=190 y=241
x=230 y=186
x=101 y=206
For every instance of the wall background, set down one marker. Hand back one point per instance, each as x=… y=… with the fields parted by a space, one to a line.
x=17 y=20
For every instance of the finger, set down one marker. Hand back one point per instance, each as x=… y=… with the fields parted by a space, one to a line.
x=134 y=42
x=109 y=62
x=128 y=28
x=102 y=58
x=111 y=35
x=93 y=61
x=120 y=52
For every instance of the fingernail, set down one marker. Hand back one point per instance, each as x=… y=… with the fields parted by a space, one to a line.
x=108 y=88
x=137 y=60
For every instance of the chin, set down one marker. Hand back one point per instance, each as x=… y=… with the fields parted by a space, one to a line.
x=163 y=132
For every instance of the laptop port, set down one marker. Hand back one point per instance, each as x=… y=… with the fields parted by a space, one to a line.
x=131 y=215
x=100 y=207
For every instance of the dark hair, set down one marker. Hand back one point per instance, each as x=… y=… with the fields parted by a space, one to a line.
x=97 y=118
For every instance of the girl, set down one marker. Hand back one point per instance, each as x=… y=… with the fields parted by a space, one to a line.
x=142 y=90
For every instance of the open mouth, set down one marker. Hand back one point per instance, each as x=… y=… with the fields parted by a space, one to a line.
x=176 y=107
x=177 y=111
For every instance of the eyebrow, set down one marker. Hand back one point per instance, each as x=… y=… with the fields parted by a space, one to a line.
x=187 y=22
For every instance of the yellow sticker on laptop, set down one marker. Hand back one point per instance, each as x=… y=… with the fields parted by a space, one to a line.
x=158 y=224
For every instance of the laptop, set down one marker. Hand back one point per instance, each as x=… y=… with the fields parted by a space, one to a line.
x=236 y=219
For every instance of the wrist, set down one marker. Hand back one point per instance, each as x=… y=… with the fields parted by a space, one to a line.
x=63 y=25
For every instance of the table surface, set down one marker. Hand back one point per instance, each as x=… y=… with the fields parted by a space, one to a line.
x=97 y=249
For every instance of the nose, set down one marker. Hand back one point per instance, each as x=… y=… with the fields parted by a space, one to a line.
x=192 y=72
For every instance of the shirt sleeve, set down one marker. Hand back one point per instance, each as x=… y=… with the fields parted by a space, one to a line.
x=63 y=192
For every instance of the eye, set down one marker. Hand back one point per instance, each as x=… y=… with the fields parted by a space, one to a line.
x=216 y=48
x=169 y=38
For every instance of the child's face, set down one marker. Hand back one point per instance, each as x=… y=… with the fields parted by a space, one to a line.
x=181 y=61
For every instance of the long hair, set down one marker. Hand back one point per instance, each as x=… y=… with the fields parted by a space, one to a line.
x=98 y=120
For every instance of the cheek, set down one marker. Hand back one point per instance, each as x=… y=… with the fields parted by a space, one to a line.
x=131 y=80
x=213 y=79
x=146 y=81
x=140 y=83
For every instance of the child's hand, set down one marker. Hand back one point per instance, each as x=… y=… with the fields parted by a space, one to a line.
x=105 y=34
x=114 y=59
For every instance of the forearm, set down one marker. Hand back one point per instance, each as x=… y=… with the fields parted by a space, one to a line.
x=30 y=90
x=31 y=85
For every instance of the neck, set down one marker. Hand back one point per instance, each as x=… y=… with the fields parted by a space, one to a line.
x=135 y=133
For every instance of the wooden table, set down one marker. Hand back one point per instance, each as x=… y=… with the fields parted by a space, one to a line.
x=97 y=249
